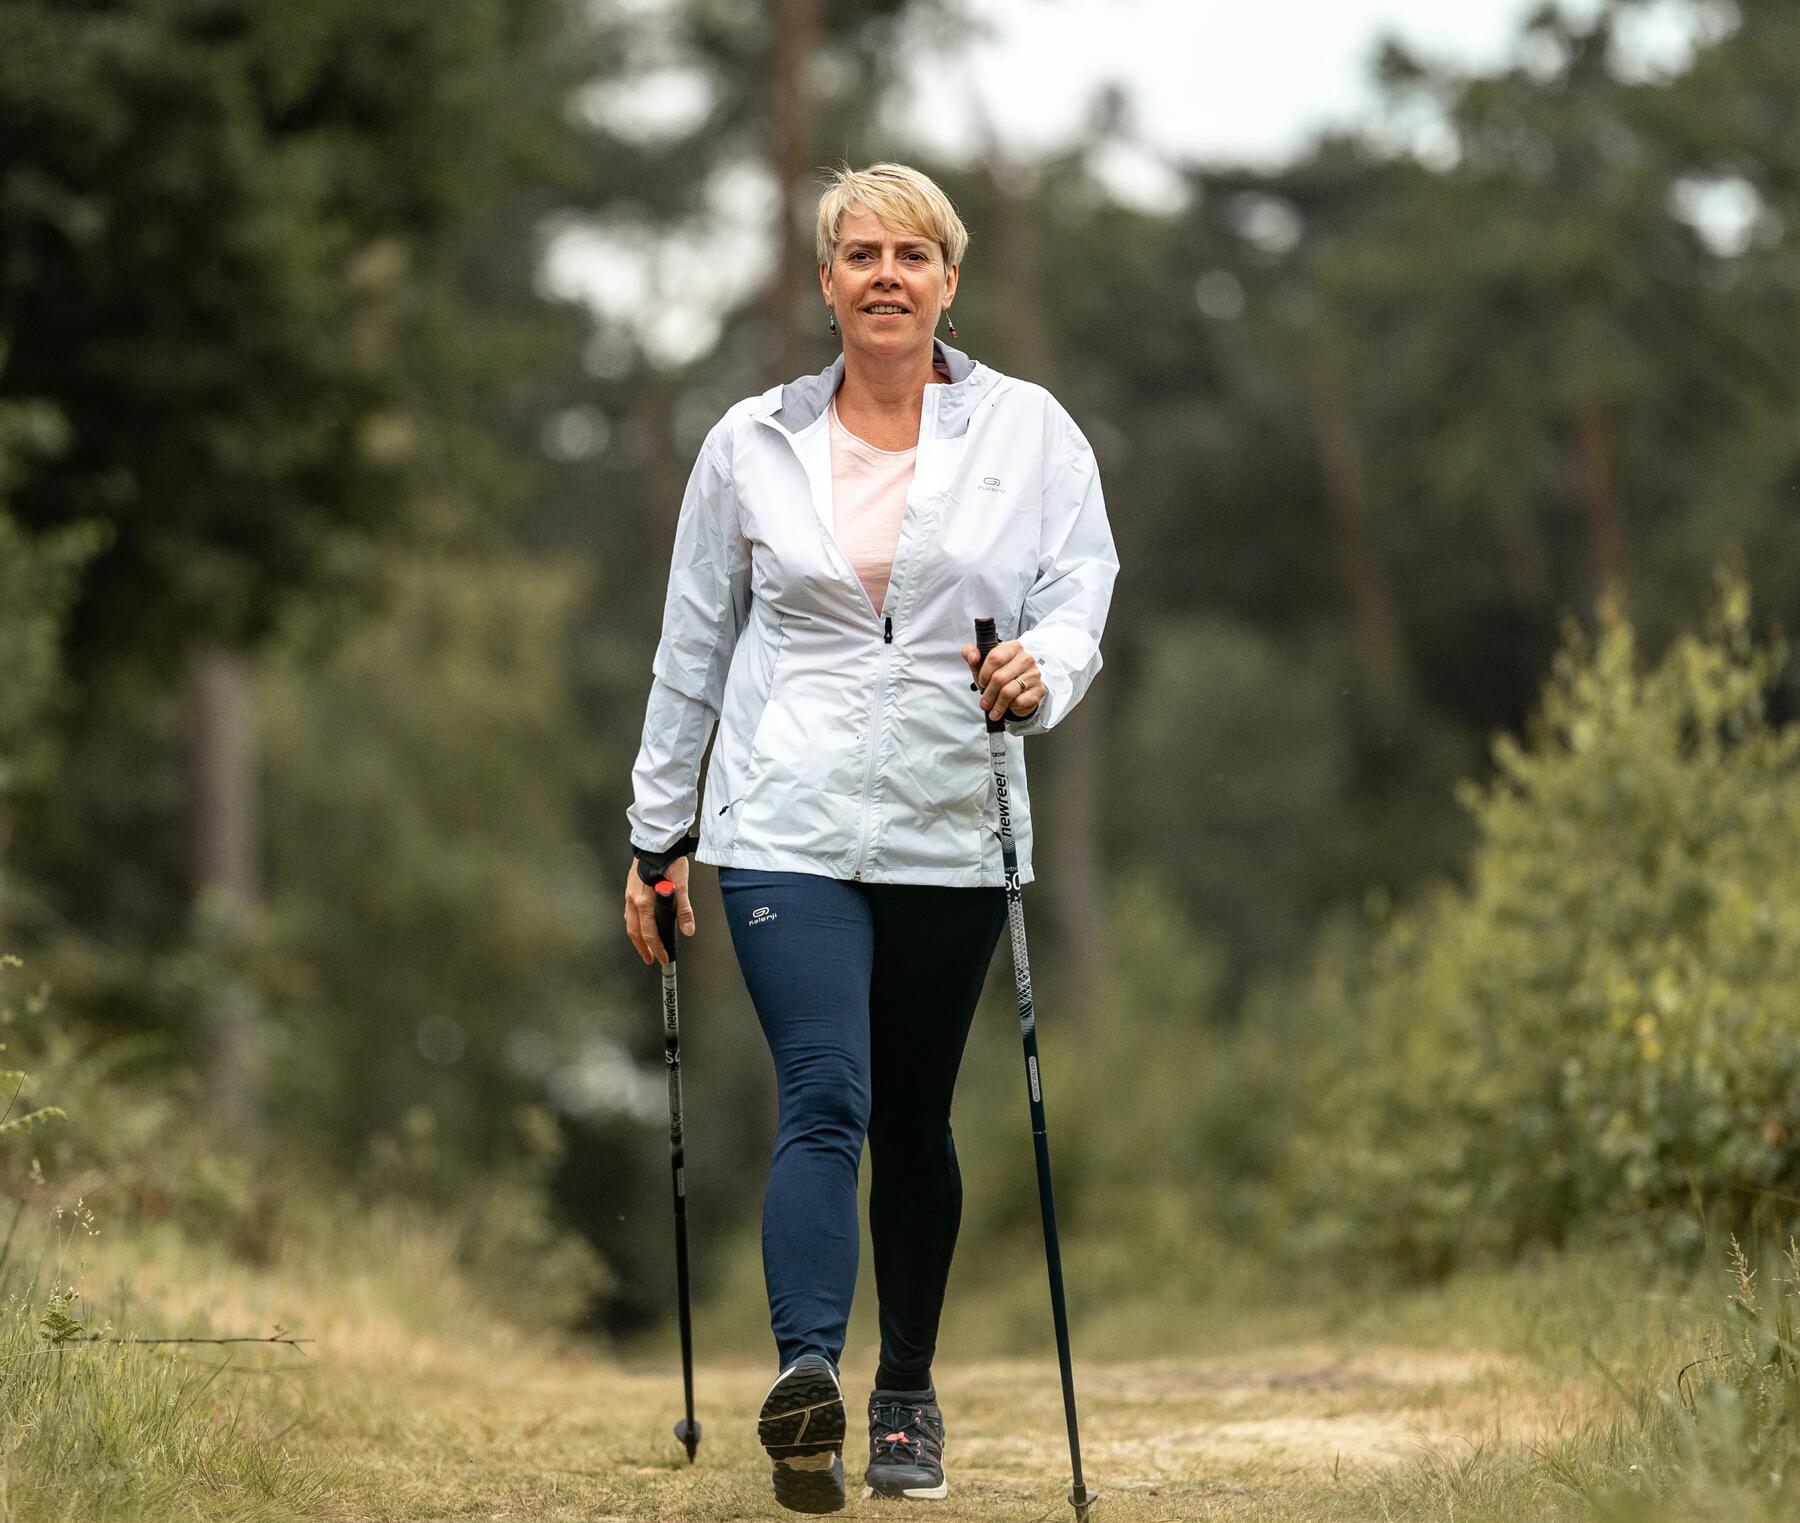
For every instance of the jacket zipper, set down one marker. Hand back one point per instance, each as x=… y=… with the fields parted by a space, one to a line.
x=927 y=431
x=878 y=724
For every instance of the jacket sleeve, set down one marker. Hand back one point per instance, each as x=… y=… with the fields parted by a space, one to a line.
x=1065 y=611
x=708 y=601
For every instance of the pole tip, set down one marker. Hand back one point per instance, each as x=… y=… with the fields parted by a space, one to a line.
x=1081 y=1498
x=688 y=1431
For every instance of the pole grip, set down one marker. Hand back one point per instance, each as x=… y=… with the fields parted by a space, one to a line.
x=665 y=916
x=986 y=638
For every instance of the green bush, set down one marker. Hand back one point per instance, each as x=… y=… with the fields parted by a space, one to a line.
x=1597 y=1032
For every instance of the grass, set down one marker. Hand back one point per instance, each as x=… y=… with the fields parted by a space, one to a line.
x=1527 y=1393
x=1583 y=1386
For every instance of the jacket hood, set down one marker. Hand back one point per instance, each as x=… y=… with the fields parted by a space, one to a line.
x=802 y=402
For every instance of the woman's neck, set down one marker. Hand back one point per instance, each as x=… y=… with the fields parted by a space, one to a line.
x=890 y=390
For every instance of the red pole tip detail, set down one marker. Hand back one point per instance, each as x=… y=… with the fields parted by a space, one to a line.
x=664 y=886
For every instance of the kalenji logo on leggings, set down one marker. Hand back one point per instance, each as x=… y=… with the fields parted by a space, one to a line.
x=758 y=916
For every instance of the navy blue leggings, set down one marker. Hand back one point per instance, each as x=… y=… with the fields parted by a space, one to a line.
x=865 y=992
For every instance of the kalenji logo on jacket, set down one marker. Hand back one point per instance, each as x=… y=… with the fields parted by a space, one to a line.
x=762 y=914
x=843 y=753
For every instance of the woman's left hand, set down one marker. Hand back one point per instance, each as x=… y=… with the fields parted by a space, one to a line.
x=1008 y=678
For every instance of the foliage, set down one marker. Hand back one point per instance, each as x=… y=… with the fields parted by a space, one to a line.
x=1718 y=1435
x=1382 y=417
x=1597 y=1031
x=1165 y=1126
x=37 y=583
x=140 y=1153
x=16 y=1079
x=424 y=876
x=142 y=1160
x=521 y=1260
x=1294 y=773
x=233 y=230
x=1371 y=422
x=1734 y=1414
x=80 y=1408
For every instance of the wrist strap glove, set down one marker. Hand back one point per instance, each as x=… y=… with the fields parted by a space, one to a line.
x=653 y=866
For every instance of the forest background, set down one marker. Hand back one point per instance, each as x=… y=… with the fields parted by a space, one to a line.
x=333 y=538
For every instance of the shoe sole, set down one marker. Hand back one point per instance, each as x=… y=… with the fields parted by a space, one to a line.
x=802 y=1429
x=935 y=1493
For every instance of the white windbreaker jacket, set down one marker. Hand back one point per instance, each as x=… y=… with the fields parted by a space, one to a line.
x=850 y=743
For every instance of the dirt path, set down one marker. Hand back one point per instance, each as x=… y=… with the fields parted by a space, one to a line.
x=1299 y=1433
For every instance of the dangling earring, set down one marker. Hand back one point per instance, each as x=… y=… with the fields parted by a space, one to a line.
x=951 y=320
x=833 y=312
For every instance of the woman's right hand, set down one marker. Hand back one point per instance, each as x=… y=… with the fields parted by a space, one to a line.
x=640 y=910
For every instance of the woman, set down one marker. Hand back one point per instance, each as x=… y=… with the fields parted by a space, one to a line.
x=838 y=538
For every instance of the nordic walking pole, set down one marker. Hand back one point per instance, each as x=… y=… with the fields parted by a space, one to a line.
x=1081 y=1496
x=687 y=1430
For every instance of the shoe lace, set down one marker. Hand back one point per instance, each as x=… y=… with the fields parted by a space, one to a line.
x=900 y=1430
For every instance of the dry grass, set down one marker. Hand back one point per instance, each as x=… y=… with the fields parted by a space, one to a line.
x=563 y=1436
x=411 y=1405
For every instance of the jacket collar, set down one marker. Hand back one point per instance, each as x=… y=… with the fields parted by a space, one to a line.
x=801 y=403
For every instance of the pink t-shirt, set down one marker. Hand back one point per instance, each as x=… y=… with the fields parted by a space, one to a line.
x=868 y=497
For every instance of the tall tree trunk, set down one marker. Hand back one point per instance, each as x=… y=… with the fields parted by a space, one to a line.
x=1600 y=503
x=1346 y=478
x=226 y=880
x=797 y=27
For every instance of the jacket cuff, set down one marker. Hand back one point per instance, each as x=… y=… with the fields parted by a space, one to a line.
x=653 y=866
x=1044 y=715
x=1034 y=723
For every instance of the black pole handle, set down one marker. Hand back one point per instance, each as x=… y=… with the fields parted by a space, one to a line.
x=665 y=916
x=986 y=638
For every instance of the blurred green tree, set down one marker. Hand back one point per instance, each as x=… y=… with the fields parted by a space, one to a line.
x=426 y=879
x=36 y=584
x=1596 y=1034
x=232 y=233
x=240 y=243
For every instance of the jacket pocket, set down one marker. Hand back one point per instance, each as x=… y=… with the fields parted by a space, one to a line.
x=754 y=757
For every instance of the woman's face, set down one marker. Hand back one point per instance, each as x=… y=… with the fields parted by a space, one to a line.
x=874 y=267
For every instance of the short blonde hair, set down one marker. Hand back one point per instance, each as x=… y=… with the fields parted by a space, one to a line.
x=904 y=200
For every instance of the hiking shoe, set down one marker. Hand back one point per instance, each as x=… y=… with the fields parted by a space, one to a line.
x=802 y=1427
x=906 y=1447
